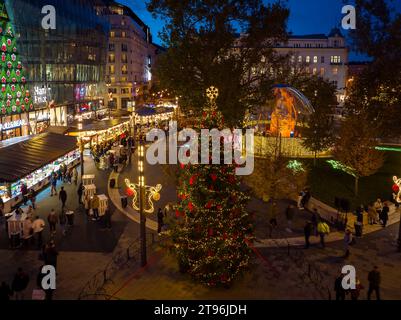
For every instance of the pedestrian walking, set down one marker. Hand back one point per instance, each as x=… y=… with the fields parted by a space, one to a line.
x=323 y=230
x=347 y=242
x=51 y=254
x=306 y=198
x=374 y=279
x=378 y=206
x=384 y=214
x=75 y=175
x=315 y=219
x=372 y=214
x=30 y=213
x=27 y=231
x=159 y=220
x=53 y=183
x=80 y=191
x=272 y=214
x=63 y=197
x=37 y=226
x=290 y=213
x=32 y=197
x=20 y=283
x=52 y=218
x=308 y=229
x=63 y=222
x=299 y=201
x=355 y=293
x=338 y=288
x=107 y=219
x=95 y=206
x=5 y=292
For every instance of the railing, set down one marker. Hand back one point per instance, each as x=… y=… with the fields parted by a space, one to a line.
x=309 y=273
x=94 y=288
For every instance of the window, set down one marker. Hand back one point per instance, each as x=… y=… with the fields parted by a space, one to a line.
x=112 y=58
x=314 y=71
x=112 y=34
x=112 y=79
x=111 y=47
x=335 y=83
x=123 y=79
x=322 y=59
x=335 y=71
x=322 y=71
x=124 y=58
x=123 y=34
x=112 y=69
x=300 y=59
x=124 y=47
x=307 y=69
x=124 y=69
x=307 y=59
x=315 y=59
x=335 y=59
x=123 y=22
x=125 y=90
x=292 y=59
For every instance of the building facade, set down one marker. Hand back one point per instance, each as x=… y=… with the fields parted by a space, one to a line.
x=130 y=55
x=65 y=67
x=320 y=54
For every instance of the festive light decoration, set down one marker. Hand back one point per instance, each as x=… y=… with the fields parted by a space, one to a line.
x=11 y=72
x=152 y=194
x=397 y=189
x=212 y=227
x=395 y=149
x=337 y=165
x=295 y=166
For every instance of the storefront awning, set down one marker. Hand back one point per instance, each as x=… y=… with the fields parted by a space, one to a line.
x=96 y=125
x=20 y=159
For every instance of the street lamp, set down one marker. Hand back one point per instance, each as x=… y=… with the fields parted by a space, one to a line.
x=143 y=197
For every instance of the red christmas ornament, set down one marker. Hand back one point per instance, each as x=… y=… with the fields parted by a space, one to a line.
x=210 y=232
x=192 y=180
x=225 y=236
x=3 y=110
x=19 y=66
x=129 y=192
x=23 y=79
x=18 y=73
x=9 y=42
x=17 y=102
x=209 y=204
x=190 y=206
x=8 y=103
x=31 y=106
x=218 y=207
x=177 y=213
x=9 y=64
x=14 y=80
x=26 y=100
x=23 y=108
x=395 y=188
x=3 y=88
x=3 y=57
x=213 y=176
x=13 y=88
x=4 y=47
x=182 y=165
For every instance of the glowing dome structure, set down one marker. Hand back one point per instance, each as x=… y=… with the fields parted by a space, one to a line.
x=291 y=106
x=281 y=116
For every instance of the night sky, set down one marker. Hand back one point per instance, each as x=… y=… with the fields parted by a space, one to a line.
x=306 y=17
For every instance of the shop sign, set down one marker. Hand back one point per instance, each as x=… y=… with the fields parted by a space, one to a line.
x=12 y=125
x=43 y=117
x=40 y=94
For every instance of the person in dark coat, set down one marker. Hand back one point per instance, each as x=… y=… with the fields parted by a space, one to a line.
x=50 y=254
x=5 y=292
x=338 y=288
x=374 y=279
x=384 y=214
x=308 y=229
x=80 y=192
x=159 y=220
x=63 y=197
x=20 y=283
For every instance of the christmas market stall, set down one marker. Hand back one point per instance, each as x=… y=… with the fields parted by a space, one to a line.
x=31 y=162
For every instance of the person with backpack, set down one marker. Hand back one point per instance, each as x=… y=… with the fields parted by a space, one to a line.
x=52 y=218
x=323 y=229
x=20 y=283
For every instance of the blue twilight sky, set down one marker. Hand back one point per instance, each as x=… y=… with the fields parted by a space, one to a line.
x=306 y=17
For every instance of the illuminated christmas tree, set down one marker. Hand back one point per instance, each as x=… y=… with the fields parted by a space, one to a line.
x=14 y=96
x=213 y=229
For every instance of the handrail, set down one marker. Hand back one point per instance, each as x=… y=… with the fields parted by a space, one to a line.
x=95 y=285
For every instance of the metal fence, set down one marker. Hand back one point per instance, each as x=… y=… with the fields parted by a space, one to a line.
x=94 y=289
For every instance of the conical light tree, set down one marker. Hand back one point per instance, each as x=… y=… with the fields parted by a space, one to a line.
x=14 y=96
x=213 y=229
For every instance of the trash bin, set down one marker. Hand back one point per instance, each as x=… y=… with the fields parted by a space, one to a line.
x=124 y=201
